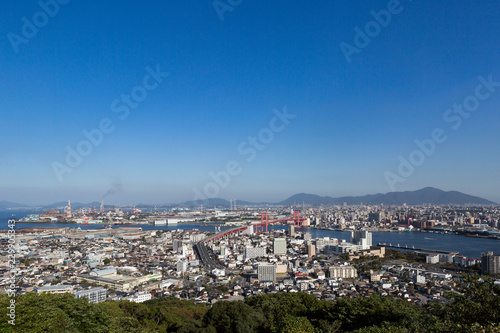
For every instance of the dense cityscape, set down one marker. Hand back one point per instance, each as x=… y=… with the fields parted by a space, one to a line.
x=251 y=251
x=245 y=258
x=241 y=166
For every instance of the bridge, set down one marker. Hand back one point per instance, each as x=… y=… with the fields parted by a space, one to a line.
x=202 y=251
x=264 y=222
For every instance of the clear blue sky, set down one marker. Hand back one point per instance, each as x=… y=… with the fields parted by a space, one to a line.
x=353 y=119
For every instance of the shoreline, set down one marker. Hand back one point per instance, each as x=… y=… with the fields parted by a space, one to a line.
x=103 y=225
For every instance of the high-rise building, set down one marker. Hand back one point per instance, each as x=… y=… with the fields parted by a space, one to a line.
x=182 y=266
x=266 y=272
x=374 y=217
x=292 y=230
x=490 y=263
x=362 y=238
x=177 y=245
x=279 y=246
x=311 y=249
x=417 y=278
x=356 y=236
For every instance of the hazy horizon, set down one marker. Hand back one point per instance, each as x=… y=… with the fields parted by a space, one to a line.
x=157 y=202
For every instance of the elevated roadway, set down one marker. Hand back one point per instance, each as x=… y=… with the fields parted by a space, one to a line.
x=202 y=251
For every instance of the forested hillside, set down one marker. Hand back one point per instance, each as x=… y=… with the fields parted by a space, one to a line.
x=477 y=309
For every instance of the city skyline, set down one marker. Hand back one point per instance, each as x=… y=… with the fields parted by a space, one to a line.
x=265 y=100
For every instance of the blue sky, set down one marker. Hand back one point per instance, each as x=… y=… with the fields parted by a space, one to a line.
x=225 y=78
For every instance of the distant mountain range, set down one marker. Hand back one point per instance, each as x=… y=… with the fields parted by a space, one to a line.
x=55 y=205
x=8 y=205
x=428 y=195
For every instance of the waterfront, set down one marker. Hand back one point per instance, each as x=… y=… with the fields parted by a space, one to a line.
x=468 y=246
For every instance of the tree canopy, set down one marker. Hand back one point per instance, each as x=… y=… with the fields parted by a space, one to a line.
x=475 y=309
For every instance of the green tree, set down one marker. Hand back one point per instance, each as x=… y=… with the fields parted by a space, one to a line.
x=296 y=325
x=478 y=306
x=229 y=317
x=58 y=313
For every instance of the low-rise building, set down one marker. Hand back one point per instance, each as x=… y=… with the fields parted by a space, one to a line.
x=254 y=252
x=140 y=297
x=344 y=272
x=94 y=295
x=56 y=289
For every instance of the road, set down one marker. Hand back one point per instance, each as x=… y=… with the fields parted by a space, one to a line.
x=202 y=253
